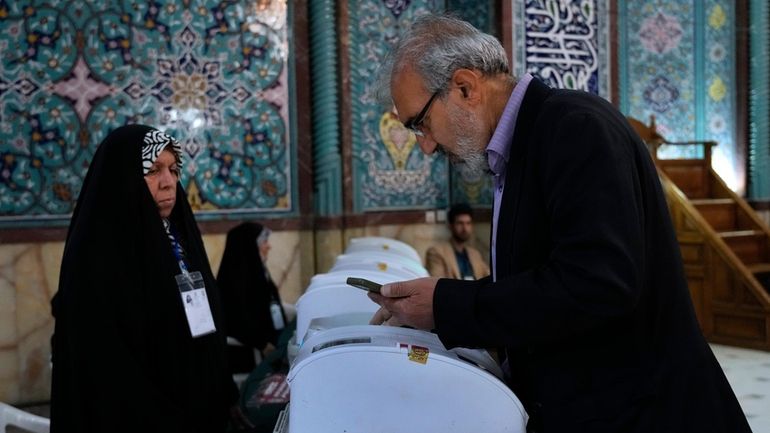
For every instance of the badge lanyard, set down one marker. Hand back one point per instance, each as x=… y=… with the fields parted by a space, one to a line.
x=177 y=247
x=192 y=289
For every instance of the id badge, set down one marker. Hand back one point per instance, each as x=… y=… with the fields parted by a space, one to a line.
x=196 y=303
x=275 y=314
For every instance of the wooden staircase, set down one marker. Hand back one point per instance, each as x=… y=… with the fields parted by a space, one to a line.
x=725 y=246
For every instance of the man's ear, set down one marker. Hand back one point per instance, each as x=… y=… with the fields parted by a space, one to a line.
x=469 y=83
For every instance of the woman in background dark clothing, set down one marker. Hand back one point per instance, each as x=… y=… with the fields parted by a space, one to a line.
x=136 y=348
x=254 y=314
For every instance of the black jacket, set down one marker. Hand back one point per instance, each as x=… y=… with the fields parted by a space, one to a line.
x=591 y=300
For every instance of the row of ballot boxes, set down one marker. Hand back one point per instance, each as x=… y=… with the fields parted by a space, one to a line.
x=349 y=376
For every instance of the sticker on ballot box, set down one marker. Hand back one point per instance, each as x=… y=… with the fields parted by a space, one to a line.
x=415 y=353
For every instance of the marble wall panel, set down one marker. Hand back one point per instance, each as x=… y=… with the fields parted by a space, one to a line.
x=9 y=375
x=34 y=324
x=329 y=244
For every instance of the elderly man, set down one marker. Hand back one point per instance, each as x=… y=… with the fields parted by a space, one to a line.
x=587 y=291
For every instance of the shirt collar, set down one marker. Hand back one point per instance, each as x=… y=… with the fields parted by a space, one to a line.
x=499 y=147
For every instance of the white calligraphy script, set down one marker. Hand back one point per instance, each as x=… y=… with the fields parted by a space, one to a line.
x=561 y=46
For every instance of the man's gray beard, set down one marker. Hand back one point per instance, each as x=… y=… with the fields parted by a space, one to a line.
x=471 y=153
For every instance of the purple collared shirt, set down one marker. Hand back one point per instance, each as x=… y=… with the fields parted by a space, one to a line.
x=498 y=150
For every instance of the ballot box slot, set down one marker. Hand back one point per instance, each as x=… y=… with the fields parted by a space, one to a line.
x=341 y=342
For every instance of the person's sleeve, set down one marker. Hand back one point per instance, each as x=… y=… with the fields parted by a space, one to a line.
x=594 y=274
x=435 y=264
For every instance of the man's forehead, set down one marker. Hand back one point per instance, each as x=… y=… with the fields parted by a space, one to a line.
x=408 y=93
x=407 y=83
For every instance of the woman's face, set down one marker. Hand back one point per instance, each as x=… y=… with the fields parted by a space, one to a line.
x=161 y=180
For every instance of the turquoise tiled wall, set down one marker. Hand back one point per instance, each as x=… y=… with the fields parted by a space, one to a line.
x=214 y=74
x=759 y=104
x=676 y=61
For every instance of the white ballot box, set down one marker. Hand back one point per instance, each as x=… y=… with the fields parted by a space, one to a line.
x=330 y=301
x=386 y=379
x=340 y=277
x=374 y=243
x=381 y=260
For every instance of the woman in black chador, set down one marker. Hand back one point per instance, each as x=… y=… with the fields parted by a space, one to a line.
x=139 y=343
x=254 y=314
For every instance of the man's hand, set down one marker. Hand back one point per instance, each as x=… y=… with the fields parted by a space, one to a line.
x=383 y=317
x=406 y=303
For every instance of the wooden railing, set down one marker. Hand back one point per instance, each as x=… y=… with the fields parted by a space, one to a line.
x=725 y=246
x=731 y=304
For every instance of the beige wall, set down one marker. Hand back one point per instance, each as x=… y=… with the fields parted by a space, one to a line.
x=29 y=276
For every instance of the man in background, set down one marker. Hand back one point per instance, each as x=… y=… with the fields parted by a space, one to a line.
x=455 y=258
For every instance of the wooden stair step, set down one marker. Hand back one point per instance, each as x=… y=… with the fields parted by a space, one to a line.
x=759 y=268
x=741 y=233
x=689 y=175
x=749 y=245
x=712 y=201
x=721 y=213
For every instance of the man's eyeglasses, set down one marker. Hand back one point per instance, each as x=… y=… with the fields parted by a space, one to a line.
x=415 y=124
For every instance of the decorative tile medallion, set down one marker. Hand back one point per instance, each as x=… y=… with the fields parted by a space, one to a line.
x=676 y=63
x=660 y=33
x=211 y=73
x=389 y=170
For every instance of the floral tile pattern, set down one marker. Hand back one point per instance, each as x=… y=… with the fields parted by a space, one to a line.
x=720 y=89
x=389 y=170
x=676 y=63
x=211 y=73
x=467 y=187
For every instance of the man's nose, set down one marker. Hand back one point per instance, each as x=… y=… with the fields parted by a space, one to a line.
x=427 y=145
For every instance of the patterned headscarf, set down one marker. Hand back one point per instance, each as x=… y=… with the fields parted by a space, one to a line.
x=154 y=143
